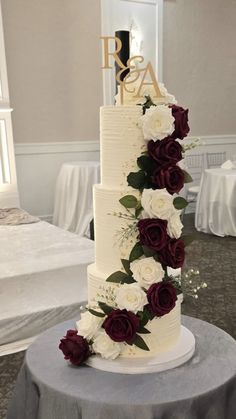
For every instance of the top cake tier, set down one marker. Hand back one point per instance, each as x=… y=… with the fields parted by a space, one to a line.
x=122 y=143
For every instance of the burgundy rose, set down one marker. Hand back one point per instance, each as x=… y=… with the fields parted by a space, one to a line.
x=165 y=151
x=181 y=122
x=173 y=253
x=153 y=233
x=74 y=347
x=169 y=177
x=161 y=297
x=121 y=325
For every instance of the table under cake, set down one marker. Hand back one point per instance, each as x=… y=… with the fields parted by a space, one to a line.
x=203 y=388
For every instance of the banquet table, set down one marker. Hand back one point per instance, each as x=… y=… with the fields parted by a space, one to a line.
x=216 y=202
x=73 y=203
x=48 y=387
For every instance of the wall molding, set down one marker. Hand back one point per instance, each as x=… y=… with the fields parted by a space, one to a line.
x=64 y=147
x=67 y=147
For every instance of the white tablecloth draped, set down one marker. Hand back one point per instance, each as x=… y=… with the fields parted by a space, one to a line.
x=73 y=205
x=216 y=204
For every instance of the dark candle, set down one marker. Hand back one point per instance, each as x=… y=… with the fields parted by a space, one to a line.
x=124 y=53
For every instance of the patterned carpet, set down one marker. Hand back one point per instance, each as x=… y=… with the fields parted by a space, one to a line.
x=215 y=258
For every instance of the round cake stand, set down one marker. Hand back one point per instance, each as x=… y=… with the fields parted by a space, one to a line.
x=179 y=354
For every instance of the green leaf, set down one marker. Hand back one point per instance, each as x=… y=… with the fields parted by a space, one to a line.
x=136 y=252
x=118 y=277
x=126 y=265
x=146 y=163
x=188 y=239
x=148 y=252
x=96 y=313
x=143 y=330
x=129 y=201
x=105 y=308
x=180 y=203
x=187 y=177
x=139 y=342
x=136 y=179
x=138 y=211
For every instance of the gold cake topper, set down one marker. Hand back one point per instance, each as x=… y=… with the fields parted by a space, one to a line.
x=134 y=72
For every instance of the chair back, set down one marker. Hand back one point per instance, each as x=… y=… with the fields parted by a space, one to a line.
x=194 y=164
x=215 y=159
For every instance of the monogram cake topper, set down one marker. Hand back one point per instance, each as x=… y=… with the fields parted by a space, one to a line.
x=145 y=74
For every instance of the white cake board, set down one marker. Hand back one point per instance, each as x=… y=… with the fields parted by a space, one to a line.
x=178 y=355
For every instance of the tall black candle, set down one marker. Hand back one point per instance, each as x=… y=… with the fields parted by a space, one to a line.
x=124 y=53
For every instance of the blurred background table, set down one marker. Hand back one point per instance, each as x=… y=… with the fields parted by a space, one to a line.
x=205 y=387
x=216 y=202
x=73 y=205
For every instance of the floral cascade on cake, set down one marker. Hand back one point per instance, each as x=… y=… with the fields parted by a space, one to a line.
x=142 y=290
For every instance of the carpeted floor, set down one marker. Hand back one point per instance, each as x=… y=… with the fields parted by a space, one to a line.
x=215 y=258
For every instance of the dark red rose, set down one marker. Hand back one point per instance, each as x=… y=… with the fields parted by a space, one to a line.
x=74 y=347
x=153 y=233
x=169 y=177
x=173 y=253
x=121 y=325
x=165 y=151
x=161 y=297
x=181 y=122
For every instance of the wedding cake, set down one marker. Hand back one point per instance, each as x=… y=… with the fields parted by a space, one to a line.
x=133 y=307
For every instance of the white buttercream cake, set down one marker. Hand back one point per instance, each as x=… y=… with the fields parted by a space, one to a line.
x=122 y=142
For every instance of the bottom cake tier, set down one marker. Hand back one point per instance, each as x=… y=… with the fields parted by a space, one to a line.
x=165 y=330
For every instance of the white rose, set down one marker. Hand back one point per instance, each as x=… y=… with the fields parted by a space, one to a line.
x=174 y=226
x=88 y=325
x=157 y=122
x=147 y=271
x=106 y=347
x=157 y=204
x=168 y=98
x=131 y=297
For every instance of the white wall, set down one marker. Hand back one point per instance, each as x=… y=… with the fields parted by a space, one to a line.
x=54 y=69
x=200 y=62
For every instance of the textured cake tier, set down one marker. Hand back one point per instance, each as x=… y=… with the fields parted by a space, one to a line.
x=121 y=143
x=109 y=227
x=165 y=330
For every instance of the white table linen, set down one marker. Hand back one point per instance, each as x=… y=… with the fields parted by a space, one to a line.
x=73 y=205
x=216 y=203
x=43 y=279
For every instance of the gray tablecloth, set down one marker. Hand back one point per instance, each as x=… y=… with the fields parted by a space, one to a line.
x=203 y=388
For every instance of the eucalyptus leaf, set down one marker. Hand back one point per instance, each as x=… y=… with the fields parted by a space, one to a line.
x=180 y=203
x=117 y=277
x=126 y=265
x=146 y=163
x=139 y=342
x=143 y=330
x=148 y=252
x=187 y=177
x=136 y=252
x=136 y=179
x=129 y=201
x=105 y=308
x=96 y=313
x=138 y=212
